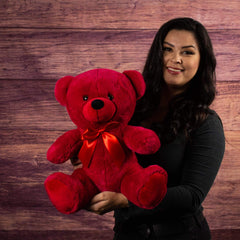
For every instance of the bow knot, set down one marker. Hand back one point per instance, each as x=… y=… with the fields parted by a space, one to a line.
x=90 y=138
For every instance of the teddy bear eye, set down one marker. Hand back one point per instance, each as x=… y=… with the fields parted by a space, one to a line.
x=85 y=98
x=110 y=96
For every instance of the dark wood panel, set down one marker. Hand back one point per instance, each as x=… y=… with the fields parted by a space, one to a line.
x=24 y=168
x=116 y=14
x=50 y=54
x=227 y=104
x=222 y=202
x=30 y=159
x=24 y=198
x=226 y=234
x=220 y=216
x=30 y=136
x=27 y=163
x=24 y=195
x=42 y=219
x=219 y=234
x=49 y=39
x=44 y=54
x=31 y=201
x=59 y=235
x=30 y=106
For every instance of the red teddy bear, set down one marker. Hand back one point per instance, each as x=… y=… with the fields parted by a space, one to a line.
x=101 y=102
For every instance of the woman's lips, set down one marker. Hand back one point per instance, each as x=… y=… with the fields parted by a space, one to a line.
x=172 y=70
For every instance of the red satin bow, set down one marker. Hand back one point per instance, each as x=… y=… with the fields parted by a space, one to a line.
x=90 y=138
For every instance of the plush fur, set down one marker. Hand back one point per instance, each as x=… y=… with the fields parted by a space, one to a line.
x=101 y=102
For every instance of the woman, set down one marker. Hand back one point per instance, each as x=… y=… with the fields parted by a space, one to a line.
x=180 y=78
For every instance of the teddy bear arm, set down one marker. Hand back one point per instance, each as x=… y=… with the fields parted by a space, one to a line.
x=65 y=147
x=141 y=140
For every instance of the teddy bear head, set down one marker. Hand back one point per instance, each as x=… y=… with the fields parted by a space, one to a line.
x=98 y=96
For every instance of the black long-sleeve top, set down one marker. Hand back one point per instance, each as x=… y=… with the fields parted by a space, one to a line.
x=191 y=166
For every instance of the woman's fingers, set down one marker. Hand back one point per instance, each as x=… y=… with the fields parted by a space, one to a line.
x=107 y=201
x=99 y=204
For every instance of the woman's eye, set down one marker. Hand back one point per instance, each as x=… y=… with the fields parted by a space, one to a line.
x=167 y=49
x=85 y=98
x=188 y=53
x=110 y=96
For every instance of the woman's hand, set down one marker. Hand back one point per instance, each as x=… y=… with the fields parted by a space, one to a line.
x=107 y=201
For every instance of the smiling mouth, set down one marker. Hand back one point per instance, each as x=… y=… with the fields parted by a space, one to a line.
x=175 y=70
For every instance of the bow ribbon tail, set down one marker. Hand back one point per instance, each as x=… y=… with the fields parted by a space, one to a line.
x=86 y=152
x=114 y=148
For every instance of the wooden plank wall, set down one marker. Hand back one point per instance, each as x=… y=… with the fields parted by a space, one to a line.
x=41 y=41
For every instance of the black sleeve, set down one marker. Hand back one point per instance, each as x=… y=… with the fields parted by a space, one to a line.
x=202 y=160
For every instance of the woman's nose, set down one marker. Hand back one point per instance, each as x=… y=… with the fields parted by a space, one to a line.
x=176 y=58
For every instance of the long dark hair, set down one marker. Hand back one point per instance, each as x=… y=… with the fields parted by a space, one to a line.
x=190 y=108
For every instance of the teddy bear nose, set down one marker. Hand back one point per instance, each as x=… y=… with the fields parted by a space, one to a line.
x=97 y=104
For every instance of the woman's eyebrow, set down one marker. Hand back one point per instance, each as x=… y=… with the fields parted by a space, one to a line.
x=169 y=44
x=188 y=46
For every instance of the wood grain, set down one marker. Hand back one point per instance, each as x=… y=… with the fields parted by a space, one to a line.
x=60 y=235
x=124 y=14
x=32 y=158
x=46 y=219
x=227 y=104
x=226 y=234
x=222 y=203
x=50 y=54
x=41 y=41
x=31 y=105
x=22 y=190
x=220 y=234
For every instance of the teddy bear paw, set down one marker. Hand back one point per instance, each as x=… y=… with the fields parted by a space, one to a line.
x=149 y=195
x=62 y=191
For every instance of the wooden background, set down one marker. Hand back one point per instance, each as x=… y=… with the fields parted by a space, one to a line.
x=41 y=41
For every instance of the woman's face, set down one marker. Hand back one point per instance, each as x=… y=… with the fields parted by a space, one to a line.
x=181 y=59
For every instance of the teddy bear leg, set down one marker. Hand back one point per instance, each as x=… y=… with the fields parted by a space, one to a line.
x=70 y=193
x=145 y=187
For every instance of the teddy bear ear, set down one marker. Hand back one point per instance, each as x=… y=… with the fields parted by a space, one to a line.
x=137 y=81
x=61 y=89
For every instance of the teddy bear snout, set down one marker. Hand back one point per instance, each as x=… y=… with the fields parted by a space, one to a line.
x=97 y=104
x=99 y=109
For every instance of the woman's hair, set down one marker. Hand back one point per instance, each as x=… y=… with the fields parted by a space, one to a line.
x=189 y=109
